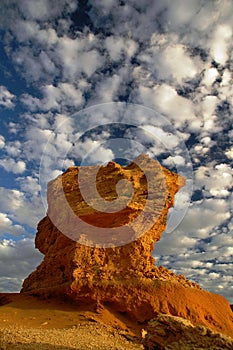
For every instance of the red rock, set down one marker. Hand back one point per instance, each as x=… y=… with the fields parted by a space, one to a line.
x=123 y=276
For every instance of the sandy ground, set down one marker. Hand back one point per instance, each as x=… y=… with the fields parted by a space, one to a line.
x=27 y=322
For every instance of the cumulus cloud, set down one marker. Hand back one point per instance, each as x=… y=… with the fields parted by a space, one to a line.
x=2 y=141
x=174 y=57
x=79 y=56
x=166 y=99
x=170 y=62
x=221 y=43
x=42 y=9
x=21 y=209
x=17 y=259
x=7 y=99
x=10 y=165
x=229 y=153
x=217 y=180
x=55 y=98
x=118 y=46
x=7 y=226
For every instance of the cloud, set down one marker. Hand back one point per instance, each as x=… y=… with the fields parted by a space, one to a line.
x=10 y=165
x=174 y=57
x=170 y=61
x=217 y=180
x=7 y=99
x=13 y=148
x=29 y=185
x=79 y=56
x=42 y=9
x=229 y=153
x=210 y=76
x=200 y=223
x=55 y=98
x=108 y=89
x=174 y=160
x=175 y=107
x=2 y=141
x=17 y=260
x=118 y=47
x=7 y=226
x=23 y=209
x=221 y=43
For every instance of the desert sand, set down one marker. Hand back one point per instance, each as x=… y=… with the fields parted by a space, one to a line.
x=27 y=322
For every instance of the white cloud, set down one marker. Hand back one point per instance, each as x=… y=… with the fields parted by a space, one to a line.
x=11 y=165
x=182 y=13
x=117 y=46
x=222 y=39
x=156 y=53
x=210 y=76
x=29 y=185
x=225 y=87
x=108 y=88
x=55 y=98
x=14 y=148
x=7 y=99
x=36 y=140
x=7 y=226
x=43 y=9
x=176 y=61
x=38 y=10
x=93 y=152
x=166 y=99
x=17 y=260
x=169 y=61
x=208 y=106
x=217 y=179
x=22 y=208
x=201 y=218
x=229 y=153
x=78 y=56
x=2 y=141
x=174 y=161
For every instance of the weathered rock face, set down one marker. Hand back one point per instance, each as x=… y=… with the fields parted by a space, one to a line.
x=169 y=332
x=122 y=276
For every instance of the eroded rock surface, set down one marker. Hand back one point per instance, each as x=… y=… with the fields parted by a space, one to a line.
x=176 y=333
x=122 y=276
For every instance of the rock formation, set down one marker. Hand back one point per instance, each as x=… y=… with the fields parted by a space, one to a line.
x=171 y=332
x=78 y=265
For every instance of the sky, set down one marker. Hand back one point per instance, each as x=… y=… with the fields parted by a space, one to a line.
x=84 y=82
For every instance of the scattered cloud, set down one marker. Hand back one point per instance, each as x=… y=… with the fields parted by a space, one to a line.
x=2 y=141
x=7 y=99
x=174 y=57
x=221 y=43
x=10 y=165
x=18 y=259
x=7 y=226
x=22 y=208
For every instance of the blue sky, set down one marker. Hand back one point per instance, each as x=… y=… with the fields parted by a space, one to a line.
x=60 y=57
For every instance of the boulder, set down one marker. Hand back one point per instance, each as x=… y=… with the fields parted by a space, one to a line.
x=171 y=332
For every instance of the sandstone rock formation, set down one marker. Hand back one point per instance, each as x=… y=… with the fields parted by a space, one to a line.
x=121 y=276
x=176 y=333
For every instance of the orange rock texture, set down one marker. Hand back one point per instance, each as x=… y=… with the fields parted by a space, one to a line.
x=114 y=266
